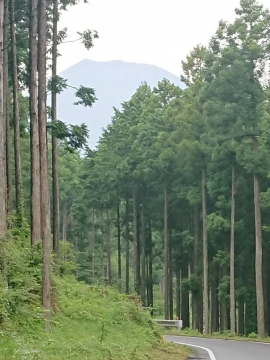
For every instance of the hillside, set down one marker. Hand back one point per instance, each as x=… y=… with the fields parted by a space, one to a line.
x=114 y=82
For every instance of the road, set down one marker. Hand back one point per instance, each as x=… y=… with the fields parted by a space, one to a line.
x=211 y=349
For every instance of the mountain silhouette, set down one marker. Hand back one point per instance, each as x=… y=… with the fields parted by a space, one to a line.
x=114 y=82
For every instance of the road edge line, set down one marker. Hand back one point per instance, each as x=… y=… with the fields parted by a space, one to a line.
x=210 y=352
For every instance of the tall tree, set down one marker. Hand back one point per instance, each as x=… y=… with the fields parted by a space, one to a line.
x=34 y=126
x=16 y=113
x=44 y=178
x=2 y=134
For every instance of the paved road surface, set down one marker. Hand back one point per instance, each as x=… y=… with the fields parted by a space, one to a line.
x=224 y=349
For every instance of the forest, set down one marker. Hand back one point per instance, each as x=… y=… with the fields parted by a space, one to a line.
x=172 y=206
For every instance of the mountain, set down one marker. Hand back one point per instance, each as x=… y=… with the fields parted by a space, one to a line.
x=114 y=82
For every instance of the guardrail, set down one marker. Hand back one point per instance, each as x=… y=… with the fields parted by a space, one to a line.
x=170 y=323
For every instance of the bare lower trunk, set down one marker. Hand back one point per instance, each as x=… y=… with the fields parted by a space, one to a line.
x=2 y=135
x=195 y=299
x=166 y=255
x=54 y=139
x=64 y=222
x=119 y=264
x=44 y=179
x=93 y=247
x=108 y=248
x=127 y=245
x=34 y=127
x=258 y=256
x=16 y=115
x=232 y=287
x=135 y=240
x=6 y=110
x=205 y=259
x=143 y=243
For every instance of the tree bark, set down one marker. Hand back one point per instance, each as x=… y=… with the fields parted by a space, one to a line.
x=178 y=294
x=150 y=266
x=195 y=299
x=119 y=274
x=44 y=178
x=258 y=255
x=232 y=276
x=143 y=258
x=55 y=181
x=6 y=110
x=3 y=189
x=205 y=259
x=127 y=245
x=16 y=115
x=93 y=247
x=166 y=254
x=135 y=240
x=108 y=248
x=34 y=127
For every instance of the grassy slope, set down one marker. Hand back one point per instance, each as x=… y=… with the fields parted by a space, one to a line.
x=88 y=323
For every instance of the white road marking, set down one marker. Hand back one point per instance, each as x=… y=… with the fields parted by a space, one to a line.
x=210 y=352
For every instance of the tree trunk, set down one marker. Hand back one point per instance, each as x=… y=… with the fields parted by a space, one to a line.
x=178 y=294
x=195 y=299
x=170 y=282
x=34 y=127
x=108 y=248
x=143 y=243
x=16 y=116
x=93 y=247
x=127 y=245
x=166 y=255
x=232 y=287
x=44 y=179
x=3 y=187
x=119 y=249
x=6 y=109
x=150 y=266
x=64 y=220
x=258 y=255
x=258 y=259
x=205 y=259
x=55 y=185
x=135 y=239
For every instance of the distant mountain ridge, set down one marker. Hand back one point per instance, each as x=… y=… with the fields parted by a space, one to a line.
x=114 y=82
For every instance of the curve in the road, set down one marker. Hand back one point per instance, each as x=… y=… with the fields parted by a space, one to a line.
x=214 y=349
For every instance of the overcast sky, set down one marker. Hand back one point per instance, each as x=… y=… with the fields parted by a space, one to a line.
x=154 y=32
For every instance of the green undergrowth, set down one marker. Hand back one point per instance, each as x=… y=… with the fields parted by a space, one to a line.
x=88 y=322
x=227 y=335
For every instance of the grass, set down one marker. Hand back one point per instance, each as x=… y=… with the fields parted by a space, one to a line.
x=222 y=336
x=88 y=323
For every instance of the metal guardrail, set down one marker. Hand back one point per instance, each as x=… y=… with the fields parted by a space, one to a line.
x=170 y=323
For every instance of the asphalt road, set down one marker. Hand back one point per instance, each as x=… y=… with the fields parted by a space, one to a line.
x=211 y=349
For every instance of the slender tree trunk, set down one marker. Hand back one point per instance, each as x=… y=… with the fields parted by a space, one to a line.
x=166 y=254
x=232 y=287
x=44 y=178
x=150 y=266
x=108 y=248
x=178 y=294
x=170 y=282
x=55 y=185
x=6 y=109
x=119 y=249
x=205 y=259
x=3 y=188
x=143 y=244
x=195 y=299
x=127 y=245
x=93 y=247
x=135 y=240
x=16 y=115
x=64 y=220
x=258 y=255
x=34 y=127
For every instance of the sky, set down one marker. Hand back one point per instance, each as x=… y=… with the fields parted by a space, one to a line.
x=155 y=32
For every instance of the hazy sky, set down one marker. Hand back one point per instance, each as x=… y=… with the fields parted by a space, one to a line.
x=154 y=32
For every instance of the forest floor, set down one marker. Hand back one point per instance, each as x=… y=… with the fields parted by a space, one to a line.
x=222 y=336
x=88 y=323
